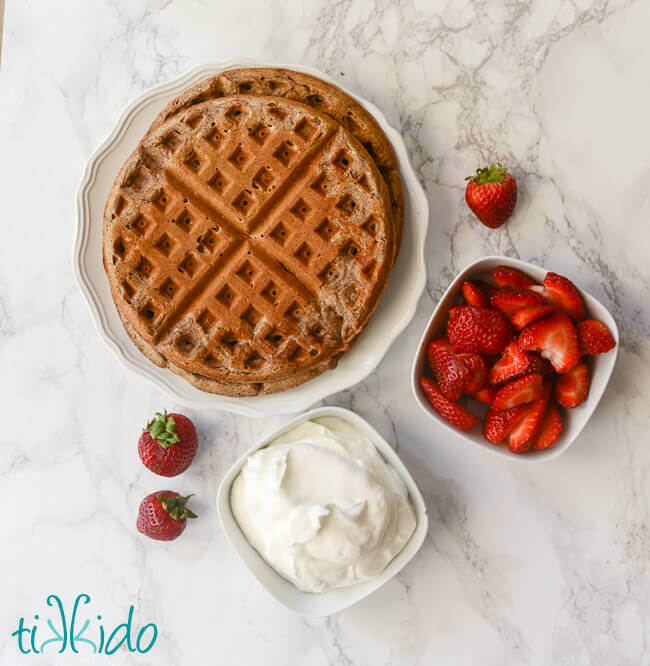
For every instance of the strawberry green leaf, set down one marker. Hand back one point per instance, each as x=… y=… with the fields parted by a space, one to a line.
x=491 y=174
x=176 y=507
x=162 y=428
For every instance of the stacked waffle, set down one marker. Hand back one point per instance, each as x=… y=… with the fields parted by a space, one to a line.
x=251 y=234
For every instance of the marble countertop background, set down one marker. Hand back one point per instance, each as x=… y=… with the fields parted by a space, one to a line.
x=540 y=564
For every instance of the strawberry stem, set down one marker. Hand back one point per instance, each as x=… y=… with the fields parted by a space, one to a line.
x=162 y=428
x=176 y=507
x=492 y=174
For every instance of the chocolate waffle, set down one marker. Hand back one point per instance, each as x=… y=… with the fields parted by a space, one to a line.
x=247 y=241
x=314 y=92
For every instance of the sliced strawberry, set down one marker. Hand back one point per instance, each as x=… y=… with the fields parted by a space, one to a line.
x=485 y=395
x=524 y=432
x=509 y=301
x=450 y=411
x=450 y=372
x=565 y=295
x=556 y=339
x=474 y=294
x=550 y=429
x=525 y=389
x=478 y=372
x=498 y=423
x=438 y=343
x=480 y=330
x=514 y=363
x=572 y=388
x=594 y=337
x=523 y=317
x=505 y=276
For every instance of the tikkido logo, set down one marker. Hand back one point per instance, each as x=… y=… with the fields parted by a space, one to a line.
x=79 y=632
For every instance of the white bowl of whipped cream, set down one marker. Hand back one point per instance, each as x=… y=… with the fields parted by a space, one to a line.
x=323 y=511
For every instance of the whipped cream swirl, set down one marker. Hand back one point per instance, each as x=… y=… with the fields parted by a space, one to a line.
x=322 y=507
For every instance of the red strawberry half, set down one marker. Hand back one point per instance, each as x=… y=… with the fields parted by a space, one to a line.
x=480 y=330
x=498 y=423
x=565 y=295
x=572 y=388
x=450 y=411
x=556 y=339
x=163 y=515
x=478 y=372
x=168 y=444
x=450 y=372
x=523 y=390
x=438 y=343
x=594 y=337
x=505 y=276
x=550 y=428
x=475 y=294
x=523 y=317
x=515 y=362
x=509 y=301
x=525 y=431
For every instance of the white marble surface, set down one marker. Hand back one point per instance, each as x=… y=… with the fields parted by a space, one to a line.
x=523 y=564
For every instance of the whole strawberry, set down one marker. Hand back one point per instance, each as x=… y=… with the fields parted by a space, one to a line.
x=478 y=330
x=163 y=515
x=491 y=194
x=168 y=444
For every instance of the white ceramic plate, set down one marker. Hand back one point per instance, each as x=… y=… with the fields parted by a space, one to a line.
x=394 y=312
x=574 y=420
x=326 y=603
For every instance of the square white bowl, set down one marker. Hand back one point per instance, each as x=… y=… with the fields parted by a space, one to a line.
x=574 y=420
x=324 y=603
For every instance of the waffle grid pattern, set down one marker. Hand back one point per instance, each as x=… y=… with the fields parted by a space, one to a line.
x=269 y=223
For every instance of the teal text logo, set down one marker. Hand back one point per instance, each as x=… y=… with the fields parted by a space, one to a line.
x=81 y=629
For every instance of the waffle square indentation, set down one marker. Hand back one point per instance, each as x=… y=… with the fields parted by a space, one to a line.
x=251 y=315
x=206 y=320
x=239 y=158
x=342 y=160
x=259 y=134
x=218 y=182
x=192 y=161
x=226 y=296
x=370 y=226
x=169 y=288
x=184 y=222
x=244 y=203
x=280 y=233
x=165 y=244
x=285 y=153
x=271 y=292
x=305 y=129
x=188 y=265
x=264 y=178
x=301 y=209
x=320 y=185
x=326 y=229
x=246 y=272
x=304 y=254
x=139 y=226
x=347 y=205
x=144 y=268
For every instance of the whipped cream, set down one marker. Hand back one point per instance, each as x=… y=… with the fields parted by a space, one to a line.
x=322 y=507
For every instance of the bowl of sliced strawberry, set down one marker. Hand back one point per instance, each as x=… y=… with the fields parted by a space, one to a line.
x=515 y=359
